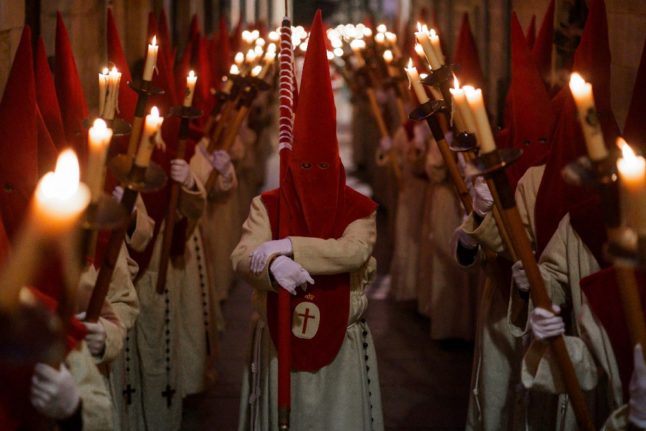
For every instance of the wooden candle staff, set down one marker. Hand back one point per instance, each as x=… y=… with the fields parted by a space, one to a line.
x=186 y=113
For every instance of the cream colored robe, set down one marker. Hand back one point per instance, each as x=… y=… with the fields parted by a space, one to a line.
x=445 y=292
x=344 y=395
x=567 y=260
x=496 y=397
x=97 y=408
x=158 y=331
x=408 y=222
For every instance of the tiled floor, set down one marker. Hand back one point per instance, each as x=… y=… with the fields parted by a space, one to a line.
x=424 y=383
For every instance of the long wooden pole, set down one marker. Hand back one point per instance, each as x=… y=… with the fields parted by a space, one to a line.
x=504 y=200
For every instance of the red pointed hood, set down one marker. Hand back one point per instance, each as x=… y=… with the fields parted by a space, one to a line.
x=46 y=96
x=220 y=54
x=18 y=138
x=542 y=49
x=127 y=97
x=555 y=198
x=194 y=28
x=467 y=58
x=47 y=152
x=236 y=37
x=531 y=32
x=635 y=128
x=163 y=34
x=70 y=93
x=531 y=119
x=200 y=64
x=315 y=173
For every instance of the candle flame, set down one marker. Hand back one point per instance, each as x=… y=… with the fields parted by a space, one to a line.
x=419 y=50
x=380 y=38
x=234 y=70
x=64 y=181
x=392 y=37
x=367 y=32
x=627 y=152
x=330 y=55
x=388 y=56
x=409 y=65
x=433 y=32
x=191 y=74
x=271 y=47
x=258 y=50
x=99 y=125
x=419 y=26
x=154 y=42
x=273 y=36
x=338 y=52
x=576 y=82
x=154 y=112
x=357 y=44
x=239 y=58
x=256 y=70
x=423 y=76
x=105 y=71
x=381 y=28
x=114 y=70
x=456 y=83
x=425 y=28
x=260 y=41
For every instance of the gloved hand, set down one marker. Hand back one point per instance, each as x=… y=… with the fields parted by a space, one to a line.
x=290 y=274
x=546 y=324
x=117 y=193
x=221 y=160
x=181 y=173
x=465 y=240
x=520 y=276
x=54 y=393
x=482 y=199
x=385 y=144
x=421 y=132
x=263 y=252
x=96 y=336
x=637 y=415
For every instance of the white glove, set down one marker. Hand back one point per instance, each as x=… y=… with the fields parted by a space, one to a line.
x=637 y=415
x=221 y=160
x=546 y=324
x=181 y=173
x=54 y=393
x=520 y=276
x=96 y=336
x=290 y=274
x=263 y=252
x=465 y=240
x=117 y=193
x=482 y=199
x=386 y=143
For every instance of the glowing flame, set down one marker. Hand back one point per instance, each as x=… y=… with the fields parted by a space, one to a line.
x=114 y=70
x=419 y=26
x=154 y=112
x=260 y=41
x=251 y=56
x=381 y=28
x=433 y=33
x=330 y=55
x=271 y=47
x=456 y=83
x=388 y=56
x=380 y=38
x=274 y=36
x=256 y=70
x=357 y=44
x=577 y=83
x=410 y=64
x=367 y=32
x=99 y=125
x=419 y=50
x=191 y=74
x=239 y=58
x=627 y=153
x=105 y=71
x=338 y=52
x=63 y=183
x=154 y=41
x=234 y=70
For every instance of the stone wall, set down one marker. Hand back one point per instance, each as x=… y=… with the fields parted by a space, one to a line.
x=12 y=18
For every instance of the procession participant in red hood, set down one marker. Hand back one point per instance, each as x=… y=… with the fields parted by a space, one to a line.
x=325 y=263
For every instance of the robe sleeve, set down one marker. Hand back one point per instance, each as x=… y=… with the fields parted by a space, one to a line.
x=618 y=420
x=337 y=256
x=144 y=227
x=192 y=201
x=256 y=230
x=97 y=407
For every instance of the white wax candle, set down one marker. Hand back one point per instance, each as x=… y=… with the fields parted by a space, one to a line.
x=152 y=126
x=476 y=103
x=582 y=92
x=437 y=46
x=357 y=46
x=632 y=171
x=103 y=88
x=228 y=85
x=269 y=61
x=413 y=78
x=112 y=96
x=424 y=40
x=462 y=106
x=151 y=59
x=191 y=79
x=99 y=137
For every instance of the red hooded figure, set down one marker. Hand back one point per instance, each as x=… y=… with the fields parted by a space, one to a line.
x=315 y=199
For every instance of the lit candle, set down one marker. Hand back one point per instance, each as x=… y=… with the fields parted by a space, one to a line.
x=255 y=72
x=413 y=79
x=269 y=61
x=151 y=59
x=250 y=58
x=381 y=28
x=112 y=94
x=148 y=138
x=274 y=36
x=228 y=85
x=582 y=92
x=392 y=40
x=380 y=38
x=239 y=59
x=260 y=42
x=357 y=45
x=191 y=79
x=388 y=56
x=632 y=171
x=57 y=205
x=437 y=46
x=424 y=40
x=103 y=88
x=99 y=137
x=463 y=110
x=476 y=103
x=258 y=50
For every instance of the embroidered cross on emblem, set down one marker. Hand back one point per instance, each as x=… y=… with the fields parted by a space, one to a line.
x=305 y=320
